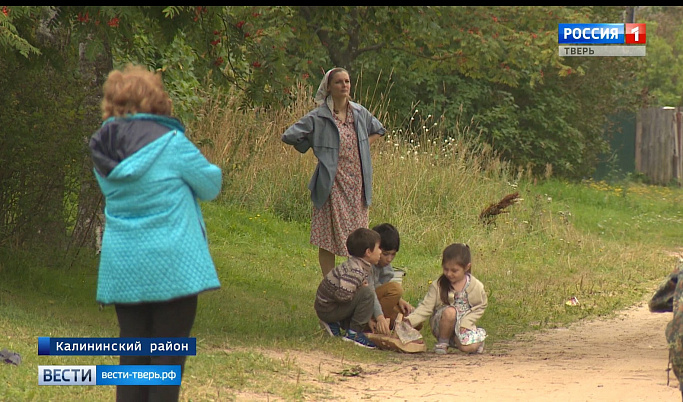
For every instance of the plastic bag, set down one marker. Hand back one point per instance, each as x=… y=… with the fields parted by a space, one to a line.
x=405 y=332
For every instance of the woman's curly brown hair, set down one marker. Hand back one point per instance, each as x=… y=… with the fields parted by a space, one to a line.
x=134 y=90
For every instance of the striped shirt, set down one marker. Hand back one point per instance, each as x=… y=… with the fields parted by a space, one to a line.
x=341 y=284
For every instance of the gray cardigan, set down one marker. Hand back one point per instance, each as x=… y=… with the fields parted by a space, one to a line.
x=318 y=130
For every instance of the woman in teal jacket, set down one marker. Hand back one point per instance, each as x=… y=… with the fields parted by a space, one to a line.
x=155 y=257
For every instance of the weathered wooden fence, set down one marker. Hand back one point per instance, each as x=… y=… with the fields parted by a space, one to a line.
x=658 y=149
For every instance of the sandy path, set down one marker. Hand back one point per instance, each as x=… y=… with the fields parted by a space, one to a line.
x=617 y=359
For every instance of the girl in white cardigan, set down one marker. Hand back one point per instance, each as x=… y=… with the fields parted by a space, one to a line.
x=454 y=303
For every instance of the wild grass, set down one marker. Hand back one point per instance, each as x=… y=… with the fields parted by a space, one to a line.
x=608 y=245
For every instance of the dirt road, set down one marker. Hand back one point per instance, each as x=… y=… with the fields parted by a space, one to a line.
x=617 y=359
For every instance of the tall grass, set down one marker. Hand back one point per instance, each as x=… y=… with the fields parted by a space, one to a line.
x=260 y=172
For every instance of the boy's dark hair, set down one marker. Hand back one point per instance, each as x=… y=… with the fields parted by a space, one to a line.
x=360 y=240
x=460 y=254
x=389 y=235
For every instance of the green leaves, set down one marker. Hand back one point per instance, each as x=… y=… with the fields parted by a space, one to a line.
x=15 y=27
x=661 y=74
x=498 y=64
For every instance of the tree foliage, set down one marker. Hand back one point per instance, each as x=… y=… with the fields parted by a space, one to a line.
x=496 y=68
x=662 y=75
x=40 y=150
x=12 y=36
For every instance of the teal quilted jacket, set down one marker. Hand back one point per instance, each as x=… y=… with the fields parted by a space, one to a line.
x=154 y=246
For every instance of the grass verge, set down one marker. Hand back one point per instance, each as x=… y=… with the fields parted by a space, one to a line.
x=607 y=247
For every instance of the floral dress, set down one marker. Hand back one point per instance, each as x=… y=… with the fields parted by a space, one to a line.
x=344 y=211
x=462 y=307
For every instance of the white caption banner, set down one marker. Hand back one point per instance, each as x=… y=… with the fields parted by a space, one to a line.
x=602 y=51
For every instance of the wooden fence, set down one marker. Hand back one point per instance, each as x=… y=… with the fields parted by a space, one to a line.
x=658 y=148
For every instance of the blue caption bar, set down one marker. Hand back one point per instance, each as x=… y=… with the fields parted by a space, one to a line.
x=590 y=33
x=117 y=346
x=110 y=375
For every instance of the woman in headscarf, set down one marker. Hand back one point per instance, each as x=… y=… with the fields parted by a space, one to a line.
x=340 y=132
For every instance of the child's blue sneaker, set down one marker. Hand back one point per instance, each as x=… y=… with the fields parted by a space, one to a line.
x=332 y=328
x=359 y=339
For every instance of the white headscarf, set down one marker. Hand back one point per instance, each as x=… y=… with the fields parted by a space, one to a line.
x=323 y=94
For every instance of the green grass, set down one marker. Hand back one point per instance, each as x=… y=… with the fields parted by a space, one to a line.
x=624 y=211
x=607 y=248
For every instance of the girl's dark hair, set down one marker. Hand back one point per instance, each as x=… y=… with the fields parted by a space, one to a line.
x=360 y=240
x=458 y=253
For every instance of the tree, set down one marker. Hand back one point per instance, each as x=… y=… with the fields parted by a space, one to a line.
x=497 y=65
x=39 y=149
x=661 y=76
x=10 y=38
x=50 y=111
